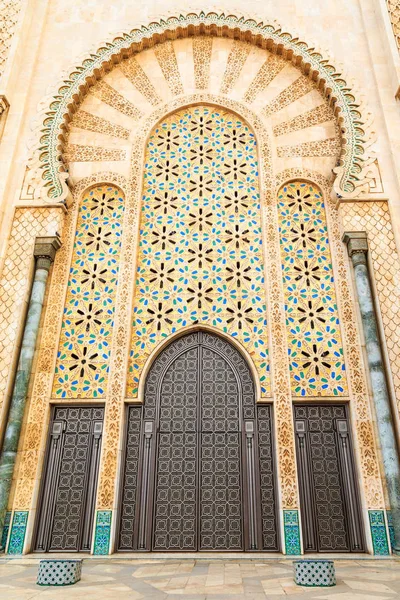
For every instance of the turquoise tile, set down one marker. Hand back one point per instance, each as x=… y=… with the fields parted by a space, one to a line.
x=6 y=529
x=292 y=532
x=391 y=528
x=378 y=532
x=18 y=531
x=102 y=533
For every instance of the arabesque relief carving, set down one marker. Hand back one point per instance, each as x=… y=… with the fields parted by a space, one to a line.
x=281 y=50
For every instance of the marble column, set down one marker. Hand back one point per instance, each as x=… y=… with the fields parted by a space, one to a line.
x=44 y=253
x=357 y=246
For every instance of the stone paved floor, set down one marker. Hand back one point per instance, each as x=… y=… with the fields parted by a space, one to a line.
x=200 y=579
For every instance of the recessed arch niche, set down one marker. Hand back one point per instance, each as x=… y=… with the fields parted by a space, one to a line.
x=303 y=126
x=50 y=159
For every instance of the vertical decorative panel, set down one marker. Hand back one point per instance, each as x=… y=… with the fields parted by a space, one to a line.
x=394 y=15
x=18 y=531
x=84 y=348
x=391 y=528
x=130 y=479
x=314 y=340
x=200 y=256
x=102 y=533
x=292 y=532
x=6 y=529
x=379 y=536
x=10 y=11
x=267 y=478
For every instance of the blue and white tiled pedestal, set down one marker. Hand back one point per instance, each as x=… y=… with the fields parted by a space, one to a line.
x=314 y=573
x=59 y=572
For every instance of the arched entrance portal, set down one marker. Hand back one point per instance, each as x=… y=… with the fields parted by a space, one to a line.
x=198 y=471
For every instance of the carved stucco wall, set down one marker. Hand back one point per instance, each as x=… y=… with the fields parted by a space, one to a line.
x=374 y=218
x=393 y=7
x=171 y=60
x=9 y=15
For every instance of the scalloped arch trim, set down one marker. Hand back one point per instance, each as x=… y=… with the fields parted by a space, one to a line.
x=350 y=172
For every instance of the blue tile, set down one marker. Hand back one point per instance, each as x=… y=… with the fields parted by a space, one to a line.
x=378 y=532
x=18 y=531
x=6 y=529
x=292 y=532
x=102 y=533
x=391 y=528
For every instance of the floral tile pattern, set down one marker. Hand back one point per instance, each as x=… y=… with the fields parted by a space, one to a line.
x=200 y=258
x=84 y=349
x=378 y=532
x=314 y=341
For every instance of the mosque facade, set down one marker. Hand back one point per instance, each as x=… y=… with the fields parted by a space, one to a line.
x=200 y=277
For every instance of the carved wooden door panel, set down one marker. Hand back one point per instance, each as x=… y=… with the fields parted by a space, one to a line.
x=198 y=471
x=65 y=519
x=175 y=498
x=328 y=490
x=221 y=503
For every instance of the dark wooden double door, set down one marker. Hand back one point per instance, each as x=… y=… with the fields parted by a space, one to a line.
x=67 y=499
x=199 y=471
x=329 y=499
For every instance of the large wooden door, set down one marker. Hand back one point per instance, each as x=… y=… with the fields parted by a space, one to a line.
x=67 y=502
x=199 y=470
x=328 y=490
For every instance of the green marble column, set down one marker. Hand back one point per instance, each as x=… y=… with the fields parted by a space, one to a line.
x=44 y=252
x=357 y=246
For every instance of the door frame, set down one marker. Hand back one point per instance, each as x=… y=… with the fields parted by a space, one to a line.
x=153 y=449
x=354 y=483
x=44 y=471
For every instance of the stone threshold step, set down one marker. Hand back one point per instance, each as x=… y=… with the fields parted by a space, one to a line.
x=190 y=556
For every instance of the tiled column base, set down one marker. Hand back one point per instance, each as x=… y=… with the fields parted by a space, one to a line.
x=390 y=527
x=6 y=529
x=102 y=532
x=292 y=532
x=379 y=536
x=18 y=531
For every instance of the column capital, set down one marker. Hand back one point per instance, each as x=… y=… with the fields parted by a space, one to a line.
x=45 y=250
x=356 y=242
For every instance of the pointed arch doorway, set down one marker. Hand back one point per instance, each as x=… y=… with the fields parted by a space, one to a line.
x=199 y=468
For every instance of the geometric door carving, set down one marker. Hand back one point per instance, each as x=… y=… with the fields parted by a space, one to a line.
x=67 y=500
x=331 y=514
x=199 y=468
